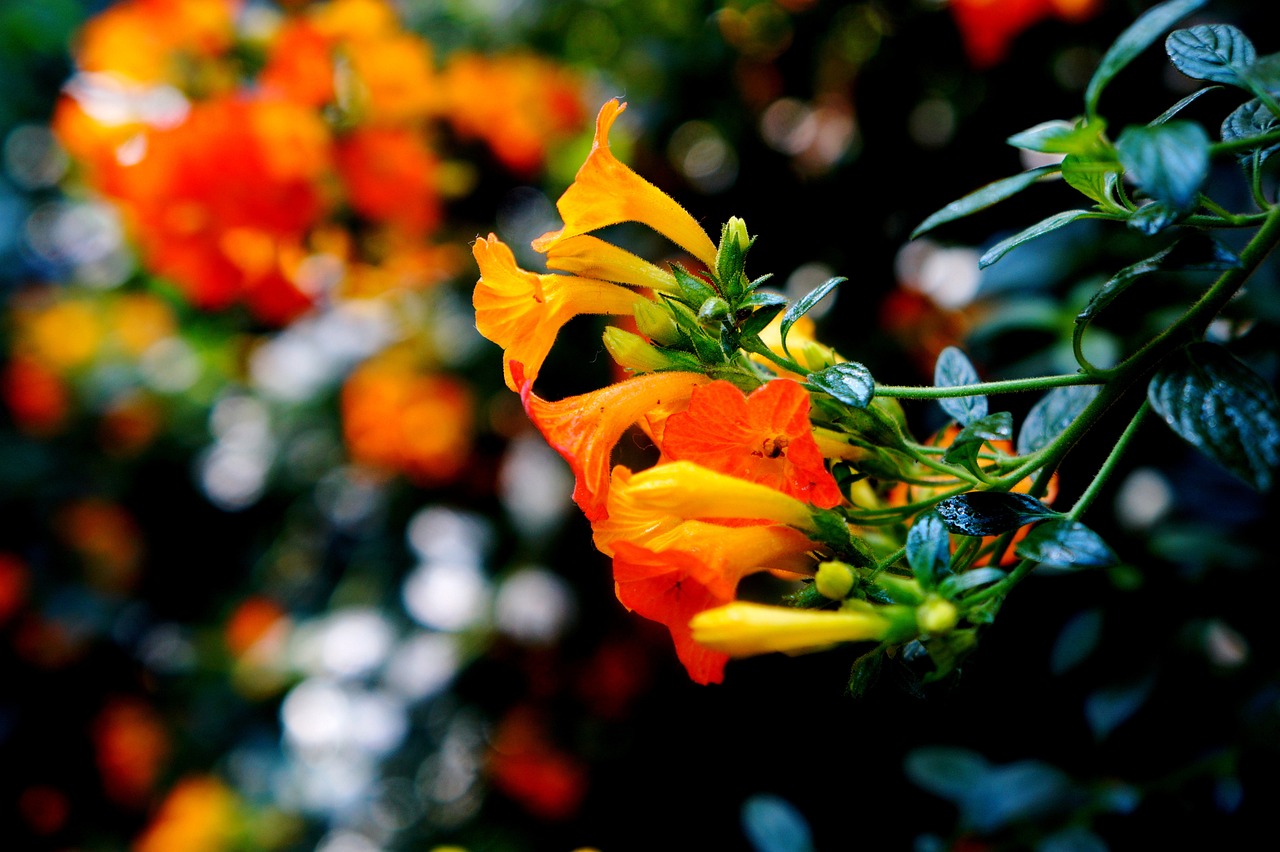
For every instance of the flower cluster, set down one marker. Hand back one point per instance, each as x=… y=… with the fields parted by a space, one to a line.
x=282 y=159
x=764 y=447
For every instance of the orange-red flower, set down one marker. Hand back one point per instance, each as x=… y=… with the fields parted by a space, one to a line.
x=606 y=192
x=200 y=814
x=585 y=428
x=765 y=437
x=523 y=311
x=390 y=176
x=988 y=27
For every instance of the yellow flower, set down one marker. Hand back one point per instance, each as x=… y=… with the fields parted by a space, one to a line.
x=688 y=490
x=523 y=311
x=606 y=192
x=742 y=629
x=594 y=258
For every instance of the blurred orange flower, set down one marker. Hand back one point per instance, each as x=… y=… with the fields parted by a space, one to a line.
x=131 y=745
x=988 y=27
x=198 y=815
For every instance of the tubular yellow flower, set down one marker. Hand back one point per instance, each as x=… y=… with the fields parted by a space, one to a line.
x=585 y=428
x=606 y=192
x=743 y=629
x=688 y=490
x=523 y=311
x=592 y=257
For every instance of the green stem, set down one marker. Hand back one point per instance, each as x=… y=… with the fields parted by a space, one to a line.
x=1004 y=386
x=1109 y=466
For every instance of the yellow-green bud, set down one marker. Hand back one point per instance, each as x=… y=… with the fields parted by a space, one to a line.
x=834 y=580
x=633 y=352
x=936 y=615
x=737 y=229
x=656 y=323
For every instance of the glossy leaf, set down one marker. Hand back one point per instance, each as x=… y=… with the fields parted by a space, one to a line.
x=968 y=443
x=983 y=198
x=1220 y=53
x=848 y=381
x=1039 y=229
x=990 y=512
x=1095 y=177
x=1169 y=162
x=1108 y=708
x=760 y=318
x=804 y=305
x=928 y=549
x=1223 y=408
x=971 y=579
x=1249 y=120
x=1151 y=219
x=1053 y=413
x=1066 y=545
x=1137 y=38
x=952 y=370
x=1060 y=137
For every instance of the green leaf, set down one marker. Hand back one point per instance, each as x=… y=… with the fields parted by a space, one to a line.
x=1076 y=641
x=1251 y=119
x=1066 y=545
x=968 y=443
x=1039 y=229
x=1061 y=137
x=804 y=305
x=759 y=318
x=1052 y=414
x=972 y=579
x=983 y=198
x=1182 y=104
x=1107 y=708
x=763 y=299
x=1151 y=219
x=1095 y=177
x=929 y=549
x=1223 y=408
x=848 y=381
x=983 y=513
x=1137 y=38
x=707 y=347
x=1219 y=53
x=865 y=672
x=1169 y=162
x=954 y=370
x=693 y=289
x=1264 y=73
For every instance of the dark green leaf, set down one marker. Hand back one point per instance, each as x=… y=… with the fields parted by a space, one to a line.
x=928 y=549
x=946 y=771
x=1137 y=38
x=1264 y=73
x=1095 y=177
x=707 y=347
x=1151 y=219
x=1076 y=641
x=1107 y=708
x=693 y=289
x=971 y=579
x=1016 y=792
x=954 y=370
x=804 y=305
x=1065 y=545
x=1216 y=52
x=990 y=512
x=983 y=198
x=1219 y=405
x=761 y=317
x=1169 y=162
x=1182 y=104
x=865 y=672
x=1039 y=229
x=848 y=381
x=763 y=299
x=966 y=446
x=1053 y=413
x=1249 y=120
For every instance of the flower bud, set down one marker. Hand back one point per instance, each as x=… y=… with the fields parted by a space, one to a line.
x=834 y=580
x=656 y=323
x=736 y=229
x=936 y=615
x=713 y=310
x=633 y=352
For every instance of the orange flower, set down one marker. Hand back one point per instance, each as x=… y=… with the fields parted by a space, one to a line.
x=517 y=104
x=130 y=744
x=527 y=766
x=988 y=27
x=397 y=418
x=153 y=41
x=390 y=176
x=198 y=815
x=606 y=192
x=299 y=65
x=765 y=437
x=585 y=428
x=523 y=311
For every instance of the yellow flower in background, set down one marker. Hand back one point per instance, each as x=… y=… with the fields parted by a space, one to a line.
x=523 y=311
x=592 y=257
x=606 y=192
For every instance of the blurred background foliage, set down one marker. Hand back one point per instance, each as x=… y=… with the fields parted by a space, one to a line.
x=282 y=566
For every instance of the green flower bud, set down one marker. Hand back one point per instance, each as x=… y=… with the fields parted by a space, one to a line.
x=656 y=323
x=634 y=352
x=834 y=580
x=713 y=310
x=936 y=615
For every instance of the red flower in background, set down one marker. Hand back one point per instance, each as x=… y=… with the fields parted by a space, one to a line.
x=988 y=27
